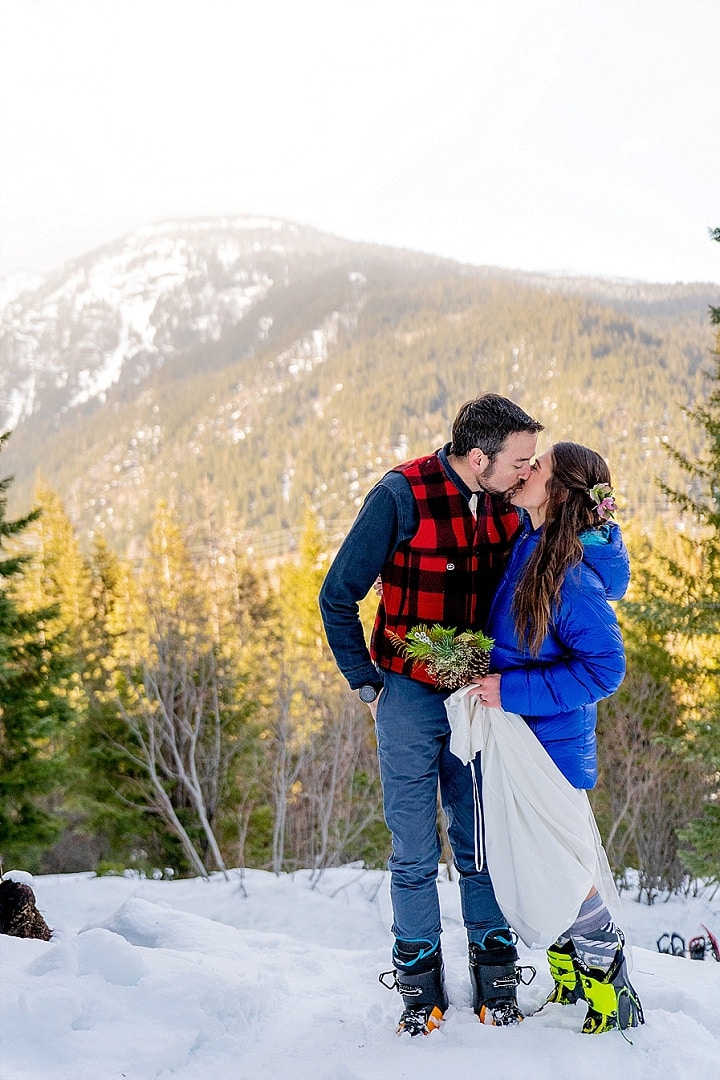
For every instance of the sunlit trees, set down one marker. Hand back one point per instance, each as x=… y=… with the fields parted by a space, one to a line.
x=58 y=576
x=698 y=615
x=649 y=786
x=324 y=782
x=33 y=702
x=181 y=699
x=679 y=608
x=122 y=831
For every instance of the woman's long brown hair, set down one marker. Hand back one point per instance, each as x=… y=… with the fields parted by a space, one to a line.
x=575 y=469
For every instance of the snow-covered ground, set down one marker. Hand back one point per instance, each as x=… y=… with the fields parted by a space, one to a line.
x=264 y=977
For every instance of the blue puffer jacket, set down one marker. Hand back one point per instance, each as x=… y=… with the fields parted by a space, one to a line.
x=581 y=660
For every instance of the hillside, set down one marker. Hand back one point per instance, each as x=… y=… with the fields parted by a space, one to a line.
x=244 y=369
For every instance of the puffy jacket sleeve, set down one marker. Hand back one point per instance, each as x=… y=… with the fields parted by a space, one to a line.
x=589 y=658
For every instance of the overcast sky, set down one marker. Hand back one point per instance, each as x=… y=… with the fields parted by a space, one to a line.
x=554 y=135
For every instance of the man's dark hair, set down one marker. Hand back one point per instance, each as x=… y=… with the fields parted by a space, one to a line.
x=485 y=422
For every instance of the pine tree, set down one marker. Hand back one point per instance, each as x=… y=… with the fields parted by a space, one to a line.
x=325 y=788
x=649 y=786
x=244 y=618
x=58 y=576
x=699 y=615
x=180 y=696
x=107 y=780
x=681 y=611
x=33 y=705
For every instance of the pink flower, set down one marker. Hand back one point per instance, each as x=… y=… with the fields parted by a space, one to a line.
x=606 y=508
x=603 y=497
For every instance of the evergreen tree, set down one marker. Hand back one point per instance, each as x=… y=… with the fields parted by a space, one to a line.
x=244 y=611
x=700 y=616
x=107 y=783
x=681 y=611
x=649 y=786
x=58 y=576
x=325 y=788
x=33 y=705
x=180 y=697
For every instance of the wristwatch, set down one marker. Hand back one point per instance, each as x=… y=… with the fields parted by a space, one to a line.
x=368 y=692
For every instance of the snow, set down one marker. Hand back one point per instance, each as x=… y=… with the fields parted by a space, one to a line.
x=128 y=294
x=15 y=284
x=260 y=976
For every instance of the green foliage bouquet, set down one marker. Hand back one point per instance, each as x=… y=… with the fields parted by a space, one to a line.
x=452 y=659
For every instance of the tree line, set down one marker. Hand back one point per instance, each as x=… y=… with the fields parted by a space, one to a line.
x=185 y=713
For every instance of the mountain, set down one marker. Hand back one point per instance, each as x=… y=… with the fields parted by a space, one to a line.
x=244 y=369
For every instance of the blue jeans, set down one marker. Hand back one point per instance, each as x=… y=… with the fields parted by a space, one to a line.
x=413 y=737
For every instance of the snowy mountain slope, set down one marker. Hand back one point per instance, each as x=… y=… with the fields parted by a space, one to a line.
x=253 y=367
x=132 y=306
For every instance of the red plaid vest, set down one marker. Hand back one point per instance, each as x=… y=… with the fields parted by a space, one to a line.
x=448 y=572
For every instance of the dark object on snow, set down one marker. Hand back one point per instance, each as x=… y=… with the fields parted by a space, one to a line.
x=698 y=947
x=19 y=917
x=675 y=944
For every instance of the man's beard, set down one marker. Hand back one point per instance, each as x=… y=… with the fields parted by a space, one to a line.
x=486 y=484
x=513 y=491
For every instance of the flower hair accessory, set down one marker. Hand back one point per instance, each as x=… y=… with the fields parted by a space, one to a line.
x=603 y=497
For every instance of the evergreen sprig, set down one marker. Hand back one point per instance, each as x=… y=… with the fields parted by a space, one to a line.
x=452 y=659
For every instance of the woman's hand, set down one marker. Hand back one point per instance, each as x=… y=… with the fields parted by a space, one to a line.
x=487 y=691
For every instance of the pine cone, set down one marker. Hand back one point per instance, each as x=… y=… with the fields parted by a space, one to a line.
x=461 y=671
x=19 y=917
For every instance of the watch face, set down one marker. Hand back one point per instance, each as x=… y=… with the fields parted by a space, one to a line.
x=368 y=694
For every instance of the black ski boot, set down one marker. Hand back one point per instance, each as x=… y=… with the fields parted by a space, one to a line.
x=419 y=975
x=495 y=974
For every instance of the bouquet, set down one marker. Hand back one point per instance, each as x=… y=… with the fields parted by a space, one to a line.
x=452 y=659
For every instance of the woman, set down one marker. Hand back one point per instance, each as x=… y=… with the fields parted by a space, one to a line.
x=558 y=650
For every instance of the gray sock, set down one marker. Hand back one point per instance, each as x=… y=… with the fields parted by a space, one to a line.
x=594 y=934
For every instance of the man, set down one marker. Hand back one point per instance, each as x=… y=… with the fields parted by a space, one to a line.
x=438 y=531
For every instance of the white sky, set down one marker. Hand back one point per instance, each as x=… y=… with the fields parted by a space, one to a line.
x=556 y=135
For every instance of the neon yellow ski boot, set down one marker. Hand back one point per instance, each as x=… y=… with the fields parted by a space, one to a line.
x=568 y=986
x=612 y=1000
